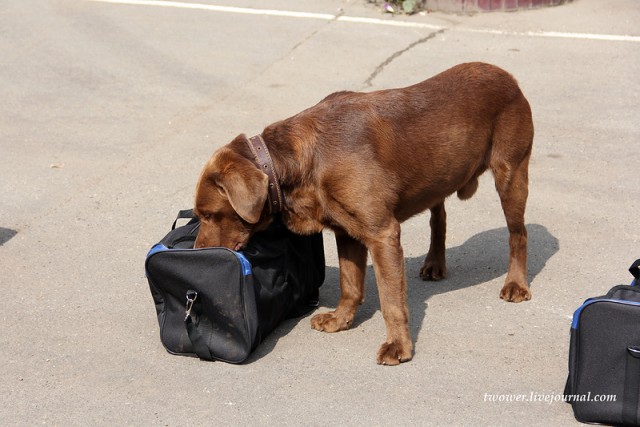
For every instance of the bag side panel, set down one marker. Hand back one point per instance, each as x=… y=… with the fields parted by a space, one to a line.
x=305 y=268
x=604 y=332
x=288 y=269
x=217 y=276
x=266 y=251
x=169 y=298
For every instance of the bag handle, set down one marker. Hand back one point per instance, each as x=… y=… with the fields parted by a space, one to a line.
x=187 y=214
x=635 y=269
x=188 y=238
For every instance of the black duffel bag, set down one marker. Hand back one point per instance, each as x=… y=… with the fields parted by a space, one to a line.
x=603 y=385
x=219 y=304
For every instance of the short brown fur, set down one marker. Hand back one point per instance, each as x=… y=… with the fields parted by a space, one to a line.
x=361 y=163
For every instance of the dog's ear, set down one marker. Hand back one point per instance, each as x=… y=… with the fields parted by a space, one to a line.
x=246 y=187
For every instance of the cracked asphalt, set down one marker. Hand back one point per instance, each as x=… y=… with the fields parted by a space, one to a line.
x=368 y=83
x=110 y=109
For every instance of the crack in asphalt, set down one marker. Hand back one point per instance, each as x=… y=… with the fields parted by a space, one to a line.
x=295 y=47
x=369 y=81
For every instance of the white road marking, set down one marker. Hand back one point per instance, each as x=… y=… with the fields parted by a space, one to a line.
x=388 y=22
x=557 y=34
x=225 y=9
x=371 y=21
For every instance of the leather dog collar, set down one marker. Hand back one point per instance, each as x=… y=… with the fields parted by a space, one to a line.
x=264 y=162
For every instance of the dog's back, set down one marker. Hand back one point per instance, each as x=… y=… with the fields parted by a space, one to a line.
x=417 y=145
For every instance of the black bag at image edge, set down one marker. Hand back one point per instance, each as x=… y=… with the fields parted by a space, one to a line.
x=218 y=304
x=603 y=385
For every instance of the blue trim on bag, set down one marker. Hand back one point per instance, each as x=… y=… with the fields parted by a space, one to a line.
x=157 y=248
x=576 y=314
x=246 y=265
x=244 y=262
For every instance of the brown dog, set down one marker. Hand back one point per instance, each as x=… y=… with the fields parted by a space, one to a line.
x=361 y=163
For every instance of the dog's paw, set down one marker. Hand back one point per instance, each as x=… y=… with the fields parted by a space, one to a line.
x=513 y=292
x=329 y=322
x=433 y=271
x=394 y=353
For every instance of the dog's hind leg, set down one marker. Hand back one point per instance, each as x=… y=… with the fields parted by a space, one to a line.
x=512 y=142
x=352 y=256
x=435 y=267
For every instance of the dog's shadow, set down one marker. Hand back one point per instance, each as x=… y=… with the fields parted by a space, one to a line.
x=482 y=258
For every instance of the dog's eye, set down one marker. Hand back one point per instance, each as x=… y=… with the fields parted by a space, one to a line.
x=212 y=217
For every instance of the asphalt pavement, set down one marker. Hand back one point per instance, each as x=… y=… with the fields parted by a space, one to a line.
x=109 y=109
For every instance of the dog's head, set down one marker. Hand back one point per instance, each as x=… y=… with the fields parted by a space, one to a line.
x=230 y=197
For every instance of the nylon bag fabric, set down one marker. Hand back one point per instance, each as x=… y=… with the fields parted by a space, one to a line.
x=603 y=385
x=219 y=304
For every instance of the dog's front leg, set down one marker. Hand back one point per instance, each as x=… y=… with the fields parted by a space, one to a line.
x=388 y=262
x=352 y=257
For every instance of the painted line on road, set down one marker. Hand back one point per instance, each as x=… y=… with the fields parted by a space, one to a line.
x=225 y=9
x=371 y=21
x=556 y=34
x=377 y=21
x=270 y=12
